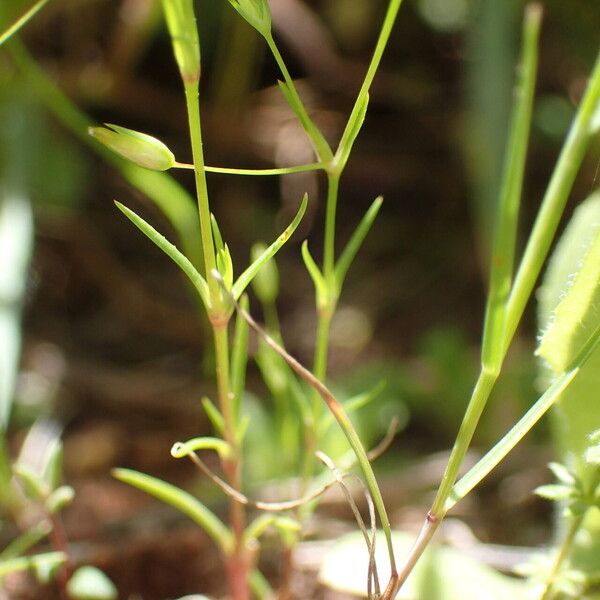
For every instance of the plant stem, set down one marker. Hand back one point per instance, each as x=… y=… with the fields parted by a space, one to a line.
x=333 y=184
x=237 y=563
x=561 y=555
x=193 y=111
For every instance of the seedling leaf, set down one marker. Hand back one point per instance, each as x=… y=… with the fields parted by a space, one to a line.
x=355 y=242
x=353 y=127
x=170 y=250
x=214 y=415
x=315 y=275
x=248 y=275
x=183 y=501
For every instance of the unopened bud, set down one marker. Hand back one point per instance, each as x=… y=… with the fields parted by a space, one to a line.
x=140 y=148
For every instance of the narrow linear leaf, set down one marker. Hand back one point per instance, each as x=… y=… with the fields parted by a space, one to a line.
x=183 y=449
x=22 y=20
x=184 y=502
x=213 y=414
x=260 y=586
x=291 y=95
x=355 y=242
x=170 y=250
x=531 y=417
x=246 y=277
x=554 y=491
x=48 y=560
x=353 y=127
x=33 y=483
x=217 y=237
x=561 y=473
x=25 y=541
x=315 y=273
x=509 y=441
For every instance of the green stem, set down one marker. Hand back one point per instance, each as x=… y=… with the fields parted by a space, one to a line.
x=481 y=392
x=561 y=555
x=193 y=111
x=256 y=172
x=238 y=563
x=333 y=184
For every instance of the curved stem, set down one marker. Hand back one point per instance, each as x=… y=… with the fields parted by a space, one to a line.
x=255 y=172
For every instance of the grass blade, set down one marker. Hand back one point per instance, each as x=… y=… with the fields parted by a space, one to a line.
x=170 y=250
x=22 y=20
x=184 y=502
x=46 y=561
x=246 y=277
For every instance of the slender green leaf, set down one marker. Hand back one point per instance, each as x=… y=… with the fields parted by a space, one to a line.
x=33 y=483
x=59 y=498
x=184 y=449
x=315 y=275
x=355 y=242
x=52 y=471
x=25 y=541
x=184 y=502
x=49 y=560
x=562 y=473
x=170 y=250
x=554 y=491
x=353 y=127
x=217 y=237
x=486 y=464
x=260 y=586
x=214 y=415
x=246 y=277
x=22 y=20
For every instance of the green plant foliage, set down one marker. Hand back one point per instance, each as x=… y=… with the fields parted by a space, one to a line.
x=568 y=313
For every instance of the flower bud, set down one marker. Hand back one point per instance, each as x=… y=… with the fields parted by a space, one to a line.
x=256 y=12
x=266 y=281
x=144 y=150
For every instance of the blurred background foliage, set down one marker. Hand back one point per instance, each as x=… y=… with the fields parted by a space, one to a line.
x=112 y=345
